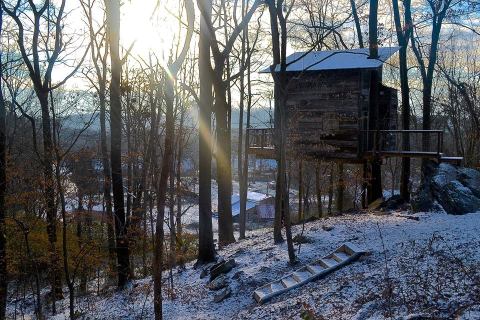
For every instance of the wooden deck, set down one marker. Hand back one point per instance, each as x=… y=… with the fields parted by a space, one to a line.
x=262 y=152
x=405 y=154
x=261 y=145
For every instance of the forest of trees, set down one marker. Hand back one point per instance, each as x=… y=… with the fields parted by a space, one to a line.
x=106 y=145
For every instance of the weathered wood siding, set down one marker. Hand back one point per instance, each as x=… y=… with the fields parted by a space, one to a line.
x=324 y=113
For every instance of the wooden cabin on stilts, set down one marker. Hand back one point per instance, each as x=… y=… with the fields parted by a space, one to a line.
x=328 y=116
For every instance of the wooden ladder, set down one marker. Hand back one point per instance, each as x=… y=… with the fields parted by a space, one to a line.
x=344 y=255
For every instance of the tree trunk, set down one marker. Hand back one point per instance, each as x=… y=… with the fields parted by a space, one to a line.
x=358 y=28
x=161 y=197
x=178 y=186
x=206 y=248
x=244 y=178
x=279 y=51
x=405 y=175
x=123 y=255
x=55 y=269
x=224 y=166
x=130 y=153
x=427 y=113
x=427 y=72
x=171 y=214
x=38 y=302
x=3 y=187
x=167 y=162
x=81 y=241
x=403 y=36
x=66 y=269
x=107 y=182
x=375 y=186
x=243 y=169
x=277 y=226
x=61 y=193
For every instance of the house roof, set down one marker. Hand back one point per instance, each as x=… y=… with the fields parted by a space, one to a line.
x=236 y=207
x=335 y=60
x=251 y=195
x=252 y=199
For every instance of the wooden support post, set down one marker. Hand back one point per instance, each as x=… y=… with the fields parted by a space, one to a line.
x=340 y=187
x=438 y=143
x=441 y=142
x=300 y=190
x=330 y=190
x=319 y=191
x=364 y=184
x=375 y=186
x=262 y=139
x=254 y=175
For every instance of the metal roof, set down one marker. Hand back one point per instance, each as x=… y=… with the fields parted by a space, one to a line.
x=335 y=60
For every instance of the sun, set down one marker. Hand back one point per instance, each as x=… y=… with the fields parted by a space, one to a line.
x=150 y=26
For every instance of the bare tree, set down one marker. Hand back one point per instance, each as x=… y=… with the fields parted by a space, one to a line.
x=375 y=186
x=241 y=170
x=167 y=160
x=460 y=104
x=426 y=61
x=61 y=152
x=247 y=50
x=3 y=186
x=206 y=248
x=222 y=106
x=317 y=24
x=113 y=32
x=41 y=52
x=99 y=56
x=403 y=37
x=356 y=19
x=278 y=25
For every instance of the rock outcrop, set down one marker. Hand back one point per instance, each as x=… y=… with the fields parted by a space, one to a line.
x=455 y=189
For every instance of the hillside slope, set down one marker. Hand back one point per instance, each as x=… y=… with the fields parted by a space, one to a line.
x=414 y=270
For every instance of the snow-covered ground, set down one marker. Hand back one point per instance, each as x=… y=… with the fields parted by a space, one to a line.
x=428 y=267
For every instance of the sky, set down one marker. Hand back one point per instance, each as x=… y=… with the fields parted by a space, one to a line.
x=145 y=27
x=151 y=32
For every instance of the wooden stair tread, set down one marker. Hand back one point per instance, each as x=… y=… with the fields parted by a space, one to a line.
x=315 y=269
x=329 y=262
x=289 y=281
x=301 y=276
x=342 y=256
x=276 y=286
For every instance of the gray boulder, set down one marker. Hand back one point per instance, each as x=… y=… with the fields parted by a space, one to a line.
x=218 y=283
x=458 y=199
x=222 y=268
x=455 y=189
x=470 y=178
x=222 y=295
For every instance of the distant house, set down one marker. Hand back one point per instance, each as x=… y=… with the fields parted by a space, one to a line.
x=266 y=209
x=260 y=207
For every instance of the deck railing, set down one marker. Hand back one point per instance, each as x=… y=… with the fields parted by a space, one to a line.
x=261 y=138
x=384 y=142
x=391 y=142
